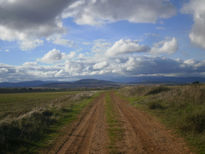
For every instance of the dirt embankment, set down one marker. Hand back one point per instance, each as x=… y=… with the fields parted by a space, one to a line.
x=142 y=133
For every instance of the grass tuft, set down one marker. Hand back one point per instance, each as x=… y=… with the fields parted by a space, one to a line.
x=115 y=130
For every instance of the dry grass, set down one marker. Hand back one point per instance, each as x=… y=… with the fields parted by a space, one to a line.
x=181 y=107
x=29 y=120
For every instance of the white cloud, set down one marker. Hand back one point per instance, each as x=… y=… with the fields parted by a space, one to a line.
x=197 y=9
x=100 y=65
x=169 y=46
x=74 y=68
x=28 y=64
x=120 y=67
x=30 y=44
x=58 y=40
x=189 y=62
x=125 y=47
x=25 y=42
x=94 y=12
x=100 y=45
x=80 y=56
x=29 y=23
x=10 y=35
x=71 y=55
x=53 y=56
x=64 y=42
x=3 y=70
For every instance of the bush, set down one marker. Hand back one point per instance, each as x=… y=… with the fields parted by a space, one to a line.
x=27 y=130
x=194 y=122
x=157 y=90
x=47 y=113
x=155 y=105
x=66 y=110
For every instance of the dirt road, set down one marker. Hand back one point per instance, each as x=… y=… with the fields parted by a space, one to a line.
x=142 y=134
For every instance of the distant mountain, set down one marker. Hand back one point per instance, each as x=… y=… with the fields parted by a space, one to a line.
x=84 y=83
x=94 y=83
x=161 y=79
x=24 y=84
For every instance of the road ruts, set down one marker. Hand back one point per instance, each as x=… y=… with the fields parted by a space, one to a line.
x=145 y=135
x=142 y=134
x=89 y=136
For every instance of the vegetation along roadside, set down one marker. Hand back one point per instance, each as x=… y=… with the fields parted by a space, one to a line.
x=180 y=107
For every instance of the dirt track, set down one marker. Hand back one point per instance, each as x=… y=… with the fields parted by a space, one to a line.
x=142 y=133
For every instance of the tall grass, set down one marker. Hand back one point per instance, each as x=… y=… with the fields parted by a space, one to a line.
x=179 y=107
x=35 y=127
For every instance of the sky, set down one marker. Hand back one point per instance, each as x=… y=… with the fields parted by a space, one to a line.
x=67 y=40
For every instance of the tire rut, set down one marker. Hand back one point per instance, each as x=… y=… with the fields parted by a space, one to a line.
x=85 y=137
x=144 y=135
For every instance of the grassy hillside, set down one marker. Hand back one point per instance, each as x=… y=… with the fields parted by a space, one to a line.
x=179 y=107
x=30 y=121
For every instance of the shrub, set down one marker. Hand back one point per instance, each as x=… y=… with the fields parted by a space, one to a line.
x=155 y=105
x=66 y=110
x=157 y=90
x=27 y=130
x=194 y=122
x=47 y=113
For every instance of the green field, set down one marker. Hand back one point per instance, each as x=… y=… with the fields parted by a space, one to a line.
x=181 y=108
x=31 y=121
x=19 y=103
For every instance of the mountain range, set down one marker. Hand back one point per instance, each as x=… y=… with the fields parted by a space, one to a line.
x=84 y=83
x=96 y=83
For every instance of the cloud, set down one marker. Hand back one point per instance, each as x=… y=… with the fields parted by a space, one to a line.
x=56 y=56
x=196 y=8
x=117 y=66
x=123 y=47
x=3 y=70
x=72 y=54
x=30 y=44
x=100 y=45
x=31 y=16
x=95 y=12
x=126 y=46
x=121 y=67
x=168 y=46
x=58 y=40
x=28 y=21
x=25 y=42
x=100 y=65
x=53 y=56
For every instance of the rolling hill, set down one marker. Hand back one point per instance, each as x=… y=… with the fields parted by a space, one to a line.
x=84 y=83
